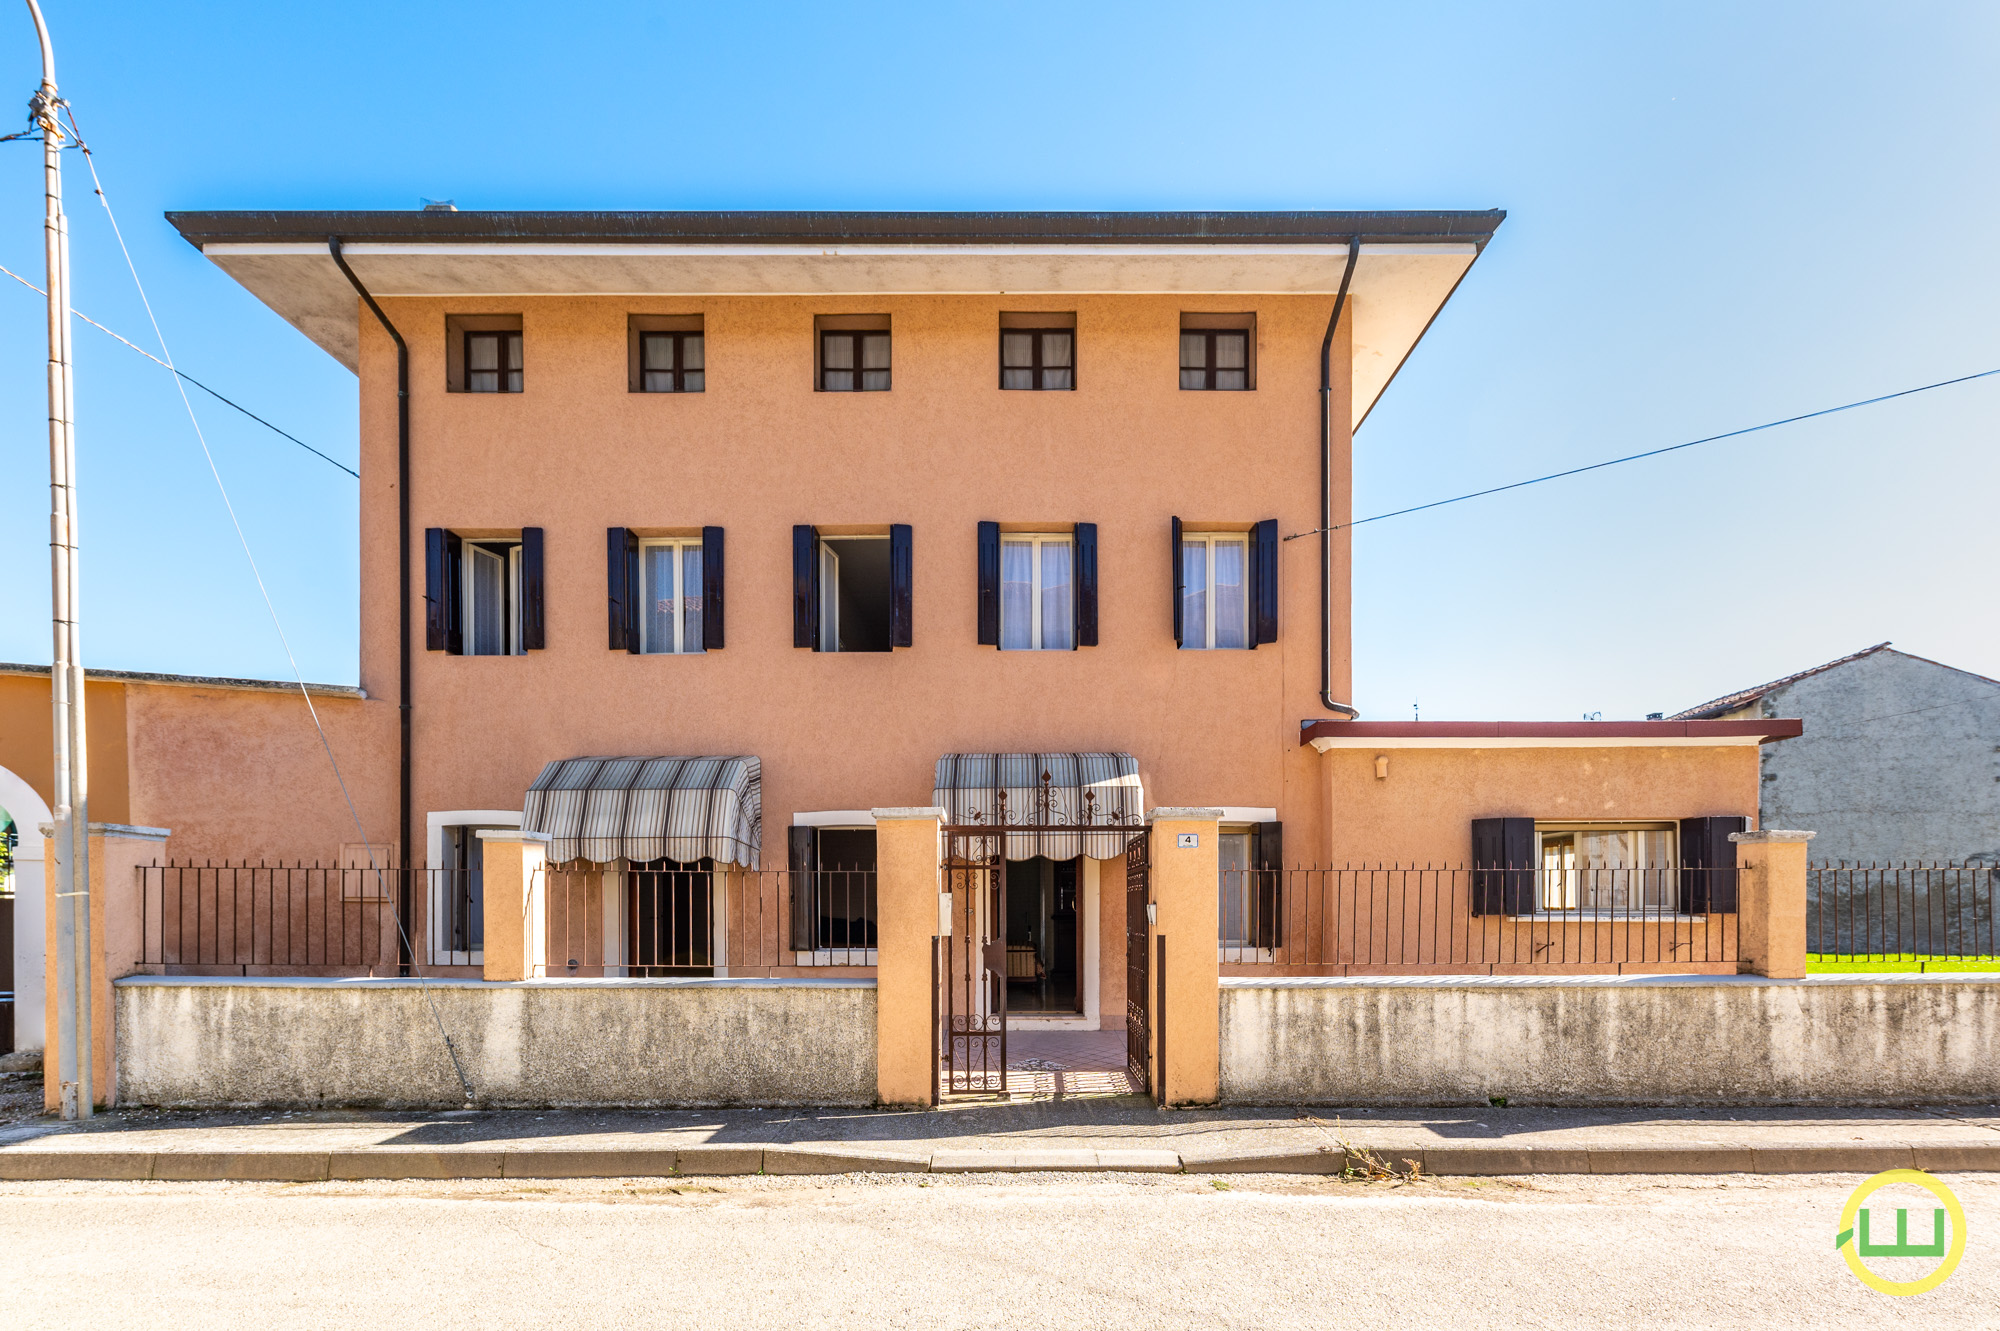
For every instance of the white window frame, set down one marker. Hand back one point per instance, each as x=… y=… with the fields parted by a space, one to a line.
x=1207 y=541
x=1667 y=912
x=680 y=545
x=471 y=550
x=1036 y=541
x=435 y=913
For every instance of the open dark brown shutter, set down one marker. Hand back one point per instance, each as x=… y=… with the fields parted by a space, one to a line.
x=1503 y=866
x=621 y=576
x=989 y=584
x=802 y=844
x=1177 y=581
x=902 y=575
x=1267 y=860
x=1085 y=601
x=434 y=598
x=1264 y=582
x=534 y=597
x=712 y=606
x=805 y=587
x=1708 y=864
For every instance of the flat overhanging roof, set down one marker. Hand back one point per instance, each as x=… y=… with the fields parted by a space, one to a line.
x=1409 y=263
x=1324 y=735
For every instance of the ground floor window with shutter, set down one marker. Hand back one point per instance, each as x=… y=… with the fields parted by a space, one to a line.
x=1250 y=890
x=1037 y=582
x=833 y=895
x=1594 y=867
x=670 y=577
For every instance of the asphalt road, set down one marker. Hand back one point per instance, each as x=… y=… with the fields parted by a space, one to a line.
x=979 y=1251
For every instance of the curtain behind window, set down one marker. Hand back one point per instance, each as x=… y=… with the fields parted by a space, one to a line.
x=1194 y=594
x=1231 y=603
x=1017 y=595
x=659 y=575
x=1058 y=599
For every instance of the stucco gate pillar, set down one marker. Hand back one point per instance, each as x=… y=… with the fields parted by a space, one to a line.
x=119 y=924
x=1771 y=902
x=908 y=851
x=1184 y=880
x=516 y=887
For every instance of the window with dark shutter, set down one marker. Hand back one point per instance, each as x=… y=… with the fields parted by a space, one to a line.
x=1267 y=865
x=1086 y=584
x=1174 y=554
x=711 y=589
x=441 y=556
x=989 y=584
x=805 y=587
x=621 y=569
x=1708 y=864
x=483 y=597
x=1264 y=582
x=902 y=578
x=803 y=858
x=534 y=621
x=1503 y=866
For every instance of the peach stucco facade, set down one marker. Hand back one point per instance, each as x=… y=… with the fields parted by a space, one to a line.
x=575 y=453
x=233 y=772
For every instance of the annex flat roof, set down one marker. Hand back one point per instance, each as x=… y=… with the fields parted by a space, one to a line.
x=1409 y=262
x=192 y=681
x=1324 y=735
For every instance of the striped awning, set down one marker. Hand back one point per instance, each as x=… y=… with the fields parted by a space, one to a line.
x=641 y=809
x=1060 y=804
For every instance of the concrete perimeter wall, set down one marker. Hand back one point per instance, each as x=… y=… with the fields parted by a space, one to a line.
x=633 y=1044
x=1604 y=1040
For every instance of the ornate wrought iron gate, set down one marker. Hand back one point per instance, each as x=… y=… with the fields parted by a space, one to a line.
x=971 y=956
x=1138 y=971
x=972 y=999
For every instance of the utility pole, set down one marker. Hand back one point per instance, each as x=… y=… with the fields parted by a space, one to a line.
x=74 y=1044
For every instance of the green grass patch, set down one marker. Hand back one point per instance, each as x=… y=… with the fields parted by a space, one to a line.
x=1892 y=964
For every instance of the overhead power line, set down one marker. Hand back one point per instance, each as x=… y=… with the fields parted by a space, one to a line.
x=229 y=506
x=190 y=378
x=1650 y=453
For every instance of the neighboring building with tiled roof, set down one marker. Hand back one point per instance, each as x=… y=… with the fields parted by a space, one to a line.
x=1899 y=760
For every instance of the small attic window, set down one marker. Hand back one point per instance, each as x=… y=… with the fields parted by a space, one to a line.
x=483 y=353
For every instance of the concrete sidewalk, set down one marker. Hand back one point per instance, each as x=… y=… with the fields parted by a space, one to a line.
x=1122 y=1134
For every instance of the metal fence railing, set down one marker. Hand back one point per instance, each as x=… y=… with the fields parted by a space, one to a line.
x=1466 y=920
x=307 y=919
x=1902 y=912
x=666 y=920
x=658 y=920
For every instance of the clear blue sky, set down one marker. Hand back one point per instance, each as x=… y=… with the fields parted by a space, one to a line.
x=1719 y=214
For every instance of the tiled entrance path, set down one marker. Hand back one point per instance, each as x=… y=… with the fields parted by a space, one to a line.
x=1064 y=1065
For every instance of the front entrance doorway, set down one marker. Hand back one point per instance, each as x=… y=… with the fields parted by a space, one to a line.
x=1013 y=947
x=1045 y=936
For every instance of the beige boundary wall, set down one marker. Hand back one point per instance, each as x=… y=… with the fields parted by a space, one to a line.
x=627 y=1043
x=1605 y=1040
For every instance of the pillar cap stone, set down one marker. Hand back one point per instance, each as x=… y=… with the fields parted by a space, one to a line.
x=914 y=812
x=1772 y=834
x=514 y=834
x=1169 y=814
